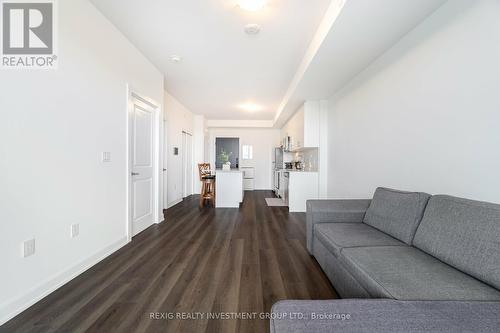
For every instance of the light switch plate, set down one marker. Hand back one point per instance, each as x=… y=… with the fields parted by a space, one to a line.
x=29 y=248
x=106 y=156
x=75 y=230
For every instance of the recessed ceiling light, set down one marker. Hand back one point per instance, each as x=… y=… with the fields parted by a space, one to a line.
x=175 y=59
x=251 y=107
x=252 y=29
x=252 y=5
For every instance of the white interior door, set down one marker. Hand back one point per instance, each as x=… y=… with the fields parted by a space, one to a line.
x=187 y=164
x=165 y=165
x=142 y=165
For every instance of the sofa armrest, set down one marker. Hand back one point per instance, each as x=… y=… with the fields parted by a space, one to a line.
x=333 y=211
x=387 y=316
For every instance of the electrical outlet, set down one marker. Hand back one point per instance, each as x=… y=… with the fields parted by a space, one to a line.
x=29 y=248
x=106 y=156
x=75 y=230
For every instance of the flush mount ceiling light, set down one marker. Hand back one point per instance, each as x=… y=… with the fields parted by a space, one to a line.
x=175 y=59
x=252 y=5
x=252 y=29
x=250 y=107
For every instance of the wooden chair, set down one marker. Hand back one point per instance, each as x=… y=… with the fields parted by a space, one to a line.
x=207 y=184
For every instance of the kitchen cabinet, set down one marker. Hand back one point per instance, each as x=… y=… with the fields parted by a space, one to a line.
x=248 y=178
x=303 y=127
x=302 y=186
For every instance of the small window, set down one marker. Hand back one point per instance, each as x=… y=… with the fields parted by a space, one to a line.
x=247 y=152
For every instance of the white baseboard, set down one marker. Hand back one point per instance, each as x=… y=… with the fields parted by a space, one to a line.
x=12 y=308
x=173 y=203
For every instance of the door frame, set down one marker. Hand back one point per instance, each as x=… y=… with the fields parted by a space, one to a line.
x=187 y=189
x=131 y=95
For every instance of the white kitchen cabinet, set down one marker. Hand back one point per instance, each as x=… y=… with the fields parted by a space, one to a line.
x=248 y=184
x=248 y=178
x=303 y=127
x=302 y=186
x=248 y=172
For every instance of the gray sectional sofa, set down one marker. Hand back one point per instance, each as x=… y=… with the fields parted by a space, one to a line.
x=409 y=246
x=384 y=316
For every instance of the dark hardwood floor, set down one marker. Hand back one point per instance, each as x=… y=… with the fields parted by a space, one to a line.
x=199 y=261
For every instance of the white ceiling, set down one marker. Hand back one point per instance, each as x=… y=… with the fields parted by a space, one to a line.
x=222 y=67
x=307 y=49
x=362 y=32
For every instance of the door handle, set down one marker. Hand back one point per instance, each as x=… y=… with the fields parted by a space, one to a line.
x=164 y=170
x=135 y=174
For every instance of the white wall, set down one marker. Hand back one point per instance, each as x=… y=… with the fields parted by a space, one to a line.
x=199 y=149
x=245 y=123
x=179 y=119
x=54 y=127
x=263 y=142
x=323 y=150
x=425 y=116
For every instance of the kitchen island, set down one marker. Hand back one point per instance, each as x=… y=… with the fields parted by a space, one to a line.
x=229 y=188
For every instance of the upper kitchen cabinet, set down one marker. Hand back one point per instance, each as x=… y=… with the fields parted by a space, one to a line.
x=303 y=127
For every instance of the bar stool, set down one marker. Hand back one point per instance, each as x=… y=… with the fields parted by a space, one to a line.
x=207 y=184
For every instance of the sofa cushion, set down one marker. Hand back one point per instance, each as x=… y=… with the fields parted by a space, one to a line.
x=336 y=236
x=346 y=286
x=464 y=234
x=406 y=273
x=333 y=211
x=396 y=213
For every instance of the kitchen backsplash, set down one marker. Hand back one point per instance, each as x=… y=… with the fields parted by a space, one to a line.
x=309 y=159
